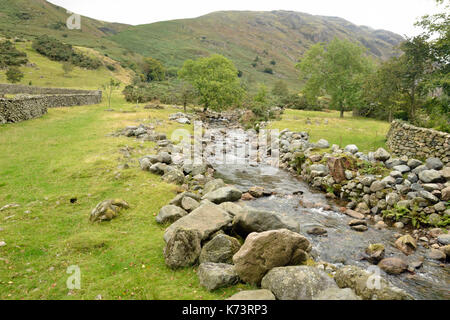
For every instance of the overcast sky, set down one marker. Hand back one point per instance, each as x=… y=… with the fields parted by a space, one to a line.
x=393 y=15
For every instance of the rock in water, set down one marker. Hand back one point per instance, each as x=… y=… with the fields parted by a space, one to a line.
x=220 y=249
x=263 y=251
x=262 y=294
x=375 y=253
x=183 y=248
x=107 y=210
x=393 y=265
x=297 y=282
x=225 y=194
x=368 y=286
x=207 y=219
x=406 y=244
x=217 y=275
x=170 y=214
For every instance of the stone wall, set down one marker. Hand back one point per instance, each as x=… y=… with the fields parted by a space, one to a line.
x=29 y=107
x=18 y=88
x=420 y=143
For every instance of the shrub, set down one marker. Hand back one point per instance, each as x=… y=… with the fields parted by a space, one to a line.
x=14 y=75
x=268 y=70
x=10 y=56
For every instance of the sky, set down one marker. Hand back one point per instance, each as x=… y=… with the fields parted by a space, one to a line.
x=393 y=15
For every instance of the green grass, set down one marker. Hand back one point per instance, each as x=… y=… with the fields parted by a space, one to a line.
x=367 y=134
x=67 y=153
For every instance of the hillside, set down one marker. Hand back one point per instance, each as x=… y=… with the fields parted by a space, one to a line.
x=278 y=36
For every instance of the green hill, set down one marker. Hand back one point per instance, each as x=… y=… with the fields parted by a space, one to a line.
x=277 y=38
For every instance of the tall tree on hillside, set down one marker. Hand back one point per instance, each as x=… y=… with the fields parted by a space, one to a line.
x=335 y=69
x=109 y=88
x=215 y=80
x=14 y=75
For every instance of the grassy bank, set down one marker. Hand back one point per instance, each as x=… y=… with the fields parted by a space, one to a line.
x=367 y=134
x=68 y=154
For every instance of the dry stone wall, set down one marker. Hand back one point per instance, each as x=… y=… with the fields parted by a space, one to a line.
x=29 y=104
x=420 y=143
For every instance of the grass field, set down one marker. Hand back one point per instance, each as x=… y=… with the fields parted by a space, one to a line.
x=367 y=134
x=67 y=154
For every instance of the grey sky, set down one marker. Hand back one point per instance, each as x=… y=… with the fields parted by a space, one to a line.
x=394 y=15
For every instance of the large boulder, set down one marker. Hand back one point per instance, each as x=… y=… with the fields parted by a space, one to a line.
x=213 y=276
x=189 y=204
x=179 y=198
x=225 y=194
x=430 y=176
x=322 y=144
x=434 y=164
x=206 y=219
x=174 y=176
x=220 y=249
x=351 y=148
x=262 y=294
x=254 y=220
x=297 y=282
x=263 y=251
x=393 y=265
x=213 y=185
x=170 y=214
x=232 y=208
x=367 y=285
x=107 y=210
x=183 y=248
x=337 y=294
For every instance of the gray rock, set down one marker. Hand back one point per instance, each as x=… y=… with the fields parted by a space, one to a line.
x=107 y=210
x=362 y=282
x=232 y=208
x=444 y=239
x=262 y=294
x=429 y=176
x=164 y=157
x=158 y=168
x=381 y=155
x=255 y=220
x=414 y=163
x=220 y=249
x=177 y=200
x=434 y=163
x=189 y=204
x=322 y=144
x=183 y=248
x=377 y=186
x=412 y=177
x=402 y=168
x=391 y=163
x=225 y=194
x=213 y=185
x=419 y=169
x=392 y=199
x=368 y=180
x=393 y=265
x=428 y=196
x=170 y=214
x=297 y=282
x=337 y=294
x=207 y=219
x=262 y=252
x=174 y=176
x=351 y=148
x=213 y=276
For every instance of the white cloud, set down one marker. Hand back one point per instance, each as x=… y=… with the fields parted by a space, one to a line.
x=394 y=15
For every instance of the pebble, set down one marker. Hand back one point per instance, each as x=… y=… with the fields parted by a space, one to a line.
x=2 y=243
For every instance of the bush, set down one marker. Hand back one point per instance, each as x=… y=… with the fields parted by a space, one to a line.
x=14 y=75
x=10 y=56
x=268 y=70
x=58 y=51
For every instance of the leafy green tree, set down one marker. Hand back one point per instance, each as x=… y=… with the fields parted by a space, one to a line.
x=153 y=70
x=186 y=94
x=280 y=89
x=215 y=80
x=10 y=56
x=109 y=88
x=14 y=75
x=335 y=69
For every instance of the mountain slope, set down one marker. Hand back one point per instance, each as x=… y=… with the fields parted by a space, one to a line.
x=277 y=38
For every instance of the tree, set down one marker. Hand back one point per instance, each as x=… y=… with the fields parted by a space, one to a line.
x=215 y=80
x=186 y=94
x=14 y=75
x=109 y=89
x=280 y=89
x=10 y=56
x=335 y=69
x=153 y=70
x=67 y=68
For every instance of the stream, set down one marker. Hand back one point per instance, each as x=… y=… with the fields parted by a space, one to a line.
x=342 y=245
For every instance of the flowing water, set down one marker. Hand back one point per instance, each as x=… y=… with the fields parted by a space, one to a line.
x=342 y=245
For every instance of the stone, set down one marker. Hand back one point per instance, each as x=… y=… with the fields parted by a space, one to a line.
x=159 y=168
x=297 y=282
x=337 y=294
x=375 y=253
x=414 y=163
x=429 y=176
x=393 y=265
x=224 y=194
x=322 y=144
x=381 y=155
x=220 y=249
x=368 y=180
x=189 y=204
x=255 y=220
x=170 y=214
x=362 y=282
x=444 y=239
x=354 y=214
x=445 y=194
x=351 y=148
x=213 y=276
x=437 y=254
x=428 y=196
x=317 y=231
x=174 y=176
x=213 y=185
x=406 y=244
x=179 y=198
x=164 y=157
x=412 y=177
x=399 y=225
x=392 y=199
x=402 y=168
x=377 y=186
x=360 y=228
x=206 y=219
x=247 y=197
x=446 y=250
x=264 y=251
x=232 y=208
x=107 y=210
x=256 y=192
x=434 y=163
x=183 y=248
x=357 y=222
x=262 y=294
x=337 y=167
x=446 y=173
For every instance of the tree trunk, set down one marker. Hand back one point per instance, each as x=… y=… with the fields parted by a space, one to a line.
x=342 y=111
